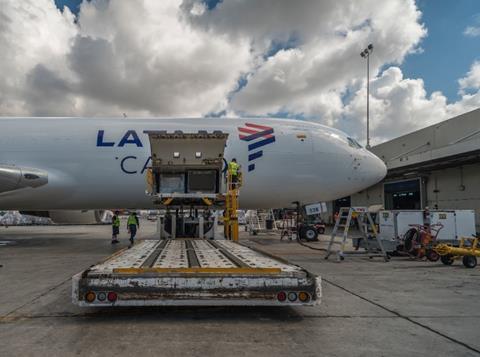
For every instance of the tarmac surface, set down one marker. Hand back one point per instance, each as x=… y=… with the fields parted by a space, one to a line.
x=369 y=307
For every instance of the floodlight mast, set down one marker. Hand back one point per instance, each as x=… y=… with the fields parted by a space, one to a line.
x=366 y=54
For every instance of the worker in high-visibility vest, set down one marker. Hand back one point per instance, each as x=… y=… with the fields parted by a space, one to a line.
x=132 y=225
x=233 y=170
x=115 y=227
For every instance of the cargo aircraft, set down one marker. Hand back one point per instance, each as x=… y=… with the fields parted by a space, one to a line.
x=66 y=164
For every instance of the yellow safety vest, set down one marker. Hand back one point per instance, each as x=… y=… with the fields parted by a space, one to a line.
x=132 y=220
x=233 y=168
x=116 y=222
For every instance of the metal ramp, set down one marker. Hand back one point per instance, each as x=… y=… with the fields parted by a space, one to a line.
x=373 y=245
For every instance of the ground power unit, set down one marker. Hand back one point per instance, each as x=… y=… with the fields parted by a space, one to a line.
x=452 y=225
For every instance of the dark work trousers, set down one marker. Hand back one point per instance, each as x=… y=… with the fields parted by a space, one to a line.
x=234 y=181
x=133 y=231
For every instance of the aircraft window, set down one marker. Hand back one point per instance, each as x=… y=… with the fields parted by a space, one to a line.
x=353 y=143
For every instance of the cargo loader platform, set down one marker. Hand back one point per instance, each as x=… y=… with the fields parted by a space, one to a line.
x=194 y=272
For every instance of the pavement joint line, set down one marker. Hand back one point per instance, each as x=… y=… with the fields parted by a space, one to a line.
x=49 y=290
x=407 y=318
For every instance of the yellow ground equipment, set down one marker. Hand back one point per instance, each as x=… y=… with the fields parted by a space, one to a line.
x=231 y=206
x=468 y=250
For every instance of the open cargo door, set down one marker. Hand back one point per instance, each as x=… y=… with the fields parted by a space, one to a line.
x=186 y=168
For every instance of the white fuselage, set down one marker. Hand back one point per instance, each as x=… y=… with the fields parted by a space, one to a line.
x=95 y=163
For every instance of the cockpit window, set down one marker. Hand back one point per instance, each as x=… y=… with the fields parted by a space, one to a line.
x=345 y=139
x=353 y=143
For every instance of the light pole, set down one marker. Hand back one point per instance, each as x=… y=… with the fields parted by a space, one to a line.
x=366 y=54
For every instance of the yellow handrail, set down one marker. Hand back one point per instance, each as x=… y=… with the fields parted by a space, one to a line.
x=231 y=207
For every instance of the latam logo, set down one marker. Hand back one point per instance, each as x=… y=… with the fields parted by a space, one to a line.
x=257 y=136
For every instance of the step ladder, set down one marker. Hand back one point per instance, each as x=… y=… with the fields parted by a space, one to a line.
x=289 y=227
x=342 y=228
x=257 y=223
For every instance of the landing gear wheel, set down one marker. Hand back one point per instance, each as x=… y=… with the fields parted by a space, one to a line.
x=309 y=233
x=469 y=261
x=432 y=255
x=447 y=259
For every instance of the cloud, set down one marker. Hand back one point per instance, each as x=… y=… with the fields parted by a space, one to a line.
x=398 y=105
x=472 y=31
x=137 y=57
x=401 y=105
x=31 y=34
x=472 y=79
x=180 y=58
x=329 y=36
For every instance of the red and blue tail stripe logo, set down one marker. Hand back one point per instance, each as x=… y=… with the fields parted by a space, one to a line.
x=257 y=136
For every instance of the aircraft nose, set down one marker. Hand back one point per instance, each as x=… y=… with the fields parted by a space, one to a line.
x=376 y=169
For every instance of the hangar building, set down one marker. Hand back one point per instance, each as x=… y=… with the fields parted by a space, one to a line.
x=435 y=167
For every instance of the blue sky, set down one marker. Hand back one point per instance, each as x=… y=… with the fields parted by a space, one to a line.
x=73 y=5
x=447 y=53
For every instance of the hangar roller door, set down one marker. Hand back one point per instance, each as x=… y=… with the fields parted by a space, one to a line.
x=405 y=194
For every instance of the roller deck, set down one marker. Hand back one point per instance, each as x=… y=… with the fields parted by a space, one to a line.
x=194 y=272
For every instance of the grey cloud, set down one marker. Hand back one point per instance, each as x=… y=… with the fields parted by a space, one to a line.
x=47 y=94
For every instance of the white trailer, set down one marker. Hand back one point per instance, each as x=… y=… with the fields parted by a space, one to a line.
x=194 y=272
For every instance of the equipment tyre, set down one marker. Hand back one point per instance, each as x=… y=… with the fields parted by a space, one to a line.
x=447 y=259
x=309 y=233
x=469 y=261
x=432 y=255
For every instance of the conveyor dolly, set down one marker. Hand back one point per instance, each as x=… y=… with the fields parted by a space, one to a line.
x=187 y=268
x=194 y=272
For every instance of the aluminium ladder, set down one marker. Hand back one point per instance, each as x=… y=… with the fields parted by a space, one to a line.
x=257 y=223
x=342 y=228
